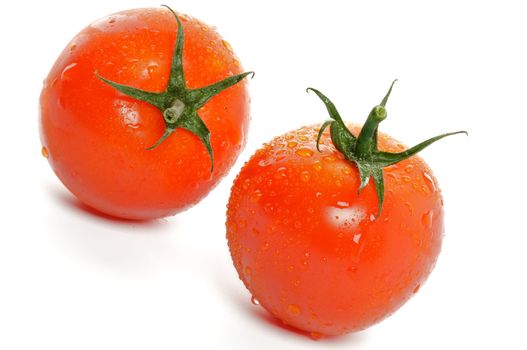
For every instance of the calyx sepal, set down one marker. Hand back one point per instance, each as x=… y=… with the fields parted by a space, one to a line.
x=179 y=104
x=362 y=150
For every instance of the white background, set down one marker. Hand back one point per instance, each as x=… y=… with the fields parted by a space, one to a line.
x=72 y=280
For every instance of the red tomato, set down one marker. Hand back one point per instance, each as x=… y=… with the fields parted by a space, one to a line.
x=311 y=249
x=96 y=137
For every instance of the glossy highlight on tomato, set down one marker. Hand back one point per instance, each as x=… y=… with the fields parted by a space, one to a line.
x=310 y=248
x=97 y=138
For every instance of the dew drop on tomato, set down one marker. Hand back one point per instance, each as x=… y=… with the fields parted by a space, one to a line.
x=427 y=218
x=304 y=152
x=255 y=301
x=293 y=309
x=352 y=269
x=305 y=176
x=45 y=152
x=66 y=73
x=226 y=45
x=315 y=335
x=429 y=182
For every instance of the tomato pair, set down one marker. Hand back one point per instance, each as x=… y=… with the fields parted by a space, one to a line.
x=145 y=111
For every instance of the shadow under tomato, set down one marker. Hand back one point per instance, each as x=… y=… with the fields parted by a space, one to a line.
x=70 y=201
x=130 y=248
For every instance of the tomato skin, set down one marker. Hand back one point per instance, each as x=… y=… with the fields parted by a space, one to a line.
x=308 y=246
x=96 y=137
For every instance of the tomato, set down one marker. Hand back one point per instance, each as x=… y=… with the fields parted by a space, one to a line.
x=315 y=250
x=131 y=120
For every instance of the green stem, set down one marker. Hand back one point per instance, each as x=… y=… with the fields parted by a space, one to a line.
x=365 y=141
x=363 y=150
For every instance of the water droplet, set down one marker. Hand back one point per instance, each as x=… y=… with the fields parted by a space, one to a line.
x=184 y=18
x=346 y=170
x=318 y=194
x=305 y=176
x=298 y=224
x=391 y=175
x=430 y=182
x=45 y=152
x=427 y=219
x=263 y=163
x=296 y=282
x=66 y=73
x=409 y=168
x=292 y=144
x=242 y=223
x=329 y=158
x=268 y=208
x=416 y=289
x=306 y=254
x=348 y=217
x=129 y=113
x=315 y=335
x=255 y=301
x=372 y=217
x=303 y=138
x=406 y=179
x=226 y=45
x=248 y=271
x=257 y=194
x=73 y=47
x=304 y=152
x=317 y=166
x=293 y=309
x=151 y=68
x=280 y=173
x=356 y=238
x=343 y=204
x=246 y=184
x=352 y=269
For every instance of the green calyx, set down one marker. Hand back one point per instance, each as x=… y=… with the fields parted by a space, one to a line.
x=362 y=150
x=178 y=104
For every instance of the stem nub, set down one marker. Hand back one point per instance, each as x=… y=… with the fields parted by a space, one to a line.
x=172 y=114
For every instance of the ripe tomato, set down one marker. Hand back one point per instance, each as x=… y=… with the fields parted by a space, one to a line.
x=104 y=113
x=313 y=250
